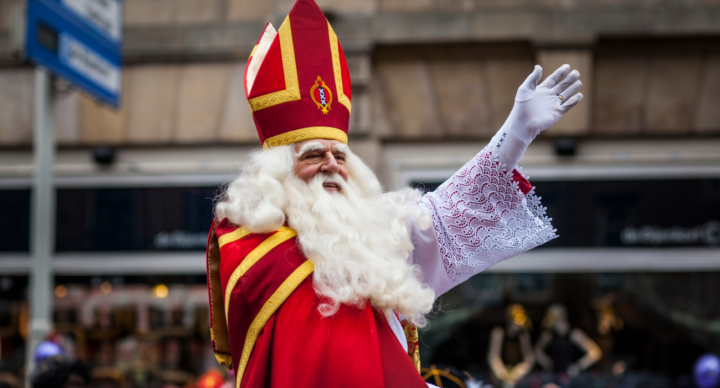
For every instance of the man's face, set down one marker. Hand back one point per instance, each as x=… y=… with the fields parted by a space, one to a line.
x=321 y=156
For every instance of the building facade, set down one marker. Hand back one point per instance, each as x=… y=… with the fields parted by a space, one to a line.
x=631 y=175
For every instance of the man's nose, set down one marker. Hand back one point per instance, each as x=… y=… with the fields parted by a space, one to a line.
x=330 y=164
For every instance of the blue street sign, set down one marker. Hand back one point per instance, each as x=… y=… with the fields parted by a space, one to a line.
x=80 y=41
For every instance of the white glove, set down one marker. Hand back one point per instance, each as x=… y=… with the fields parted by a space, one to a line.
x=536 y=108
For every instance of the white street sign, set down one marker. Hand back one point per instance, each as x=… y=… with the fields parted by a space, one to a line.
x=88 y=63
x=105 y=15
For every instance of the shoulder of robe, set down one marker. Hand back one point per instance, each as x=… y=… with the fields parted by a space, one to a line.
x=229 y=235
x=228 y=232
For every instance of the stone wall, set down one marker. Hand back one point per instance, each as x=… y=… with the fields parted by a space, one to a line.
x=421 y=69
x=195 y=103
x=162 y=29
x=658 y=88
x=629 y=94
x=419 y=93
x=442 y=91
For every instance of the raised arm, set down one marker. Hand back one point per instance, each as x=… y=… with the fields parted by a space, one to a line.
x=487 y=212
x=536 y=108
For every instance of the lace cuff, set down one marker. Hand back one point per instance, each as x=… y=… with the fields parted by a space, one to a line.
x=481 y=218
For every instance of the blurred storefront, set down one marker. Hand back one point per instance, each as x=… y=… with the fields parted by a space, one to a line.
x=631 y=178
x=636 y=266
x=130 y=294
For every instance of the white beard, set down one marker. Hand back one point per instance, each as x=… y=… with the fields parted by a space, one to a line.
x=357 y=238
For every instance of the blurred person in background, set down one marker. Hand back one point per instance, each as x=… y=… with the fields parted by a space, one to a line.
x=53 y=369
x=62 y=373
x=317 y=278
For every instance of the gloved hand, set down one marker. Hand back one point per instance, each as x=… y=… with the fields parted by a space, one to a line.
x=536 y=108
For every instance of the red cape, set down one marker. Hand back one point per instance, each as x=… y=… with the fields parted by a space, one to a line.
x=295 y=346
x=260 y=286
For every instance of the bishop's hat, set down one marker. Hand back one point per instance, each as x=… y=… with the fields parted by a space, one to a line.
x=297 y=80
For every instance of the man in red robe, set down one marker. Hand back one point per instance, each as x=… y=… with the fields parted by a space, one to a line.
x=317 y=278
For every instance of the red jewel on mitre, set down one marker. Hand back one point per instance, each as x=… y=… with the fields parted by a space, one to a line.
x=297 y=80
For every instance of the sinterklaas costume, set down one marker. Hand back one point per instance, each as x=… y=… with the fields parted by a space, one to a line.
x=264 y=318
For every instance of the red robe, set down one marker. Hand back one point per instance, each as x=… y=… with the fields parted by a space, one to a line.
x=260 y=287
x=277 y=337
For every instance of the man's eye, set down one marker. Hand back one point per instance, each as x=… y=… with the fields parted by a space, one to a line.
x=313 y=155
x=340 y=157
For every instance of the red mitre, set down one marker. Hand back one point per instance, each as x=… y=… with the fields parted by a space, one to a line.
x=297 y=80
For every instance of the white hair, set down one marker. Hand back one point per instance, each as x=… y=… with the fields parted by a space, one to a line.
x=357 y=238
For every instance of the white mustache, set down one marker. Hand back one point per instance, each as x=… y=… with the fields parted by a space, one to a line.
x=325 y=179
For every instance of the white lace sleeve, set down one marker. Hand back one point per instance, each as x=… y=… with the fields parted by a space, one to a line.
x=480 y=218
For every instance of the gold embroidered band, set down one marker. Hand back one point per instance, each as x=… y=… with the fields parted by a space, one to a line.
x=235 y=235
x=411 y=335
x=292 y=86
x=303 y=134
x=283 y=234
x=334 y=48
x=268 y=309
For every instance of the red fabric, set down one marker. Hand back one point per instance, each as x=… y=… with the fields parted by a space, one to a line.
x=524 y=184
x=255 y=287
x=245 y=76
x=233 y=253
x=298 y=347
x=293 y=115
x=313 y=58
x=224 y=227
x=247 y=92
x=271 y=75
x=355 y=348
x=347 y=85
x=207 y=269
x=398 y=368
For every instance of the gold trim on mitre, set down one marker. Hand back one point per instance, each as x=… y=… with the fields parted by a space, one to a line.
x=303 y=134
x=337 y=69
x=257 y=57
x=292 y=91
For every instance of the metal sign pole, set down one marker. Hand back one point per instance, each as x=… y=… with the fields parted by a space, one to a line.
x=43 y=217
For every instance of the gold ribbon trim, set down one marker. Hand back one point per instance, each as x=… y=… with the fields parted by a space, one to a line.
x=303 y=134
x=292 y=86
x=235 y=235
x=283 y=234
x=224 y=360
x=411 y=335
x=268 y=309
x=218 y=328
x=337 y=69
